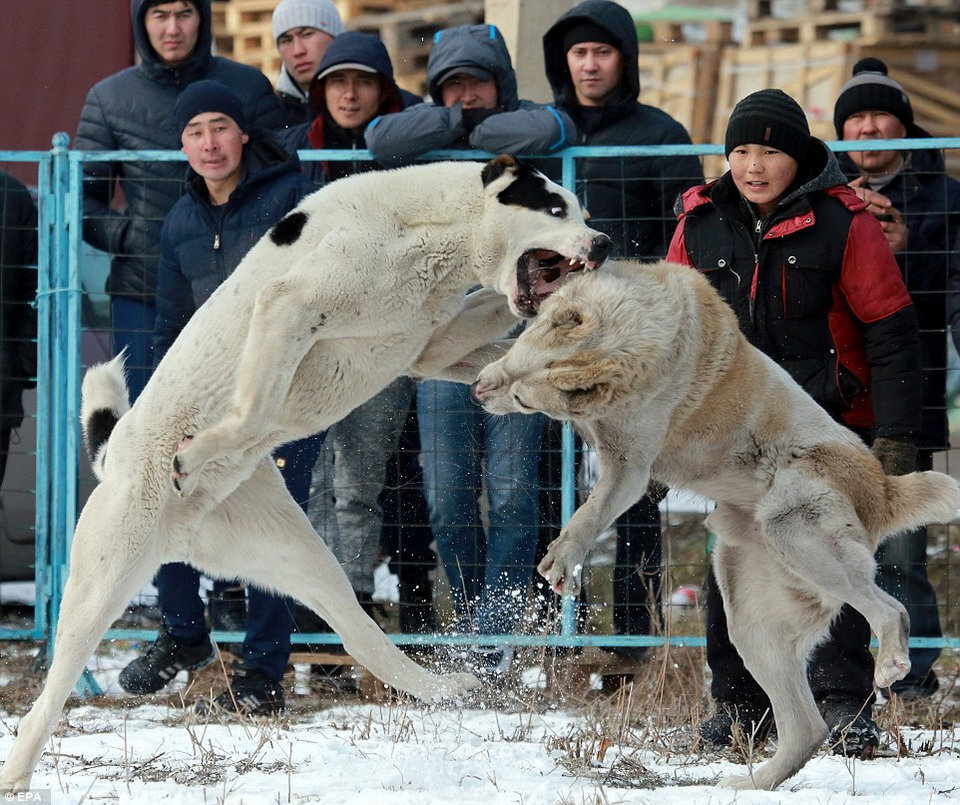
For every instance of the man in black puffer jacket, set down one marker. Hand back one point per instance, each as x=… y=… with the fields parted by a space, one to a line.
x=590 y=54
x=133 y=109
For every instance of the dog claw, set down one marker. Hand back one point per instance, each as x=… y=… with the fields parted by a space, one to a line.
x=178 y=474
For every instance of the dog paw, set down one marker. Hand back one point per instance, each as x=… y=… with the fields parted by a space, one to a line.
x=738 y=782
x=562 y=567
x=890 y=669
x=452 y=686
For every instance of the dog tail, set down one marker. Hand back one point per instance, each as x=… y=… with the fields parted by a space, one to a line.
x=104 y=400
x=919 y=498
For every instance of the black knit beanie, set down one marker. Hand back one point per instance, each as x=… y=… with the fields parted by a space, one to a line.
x=207 y=96
x=587 y=31
x=769 y=117
x=871 y=89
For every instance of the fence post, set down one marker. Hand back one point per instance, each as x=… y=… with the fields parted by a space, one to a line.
x=568 y=475
x=50 y=426
x=62 y=334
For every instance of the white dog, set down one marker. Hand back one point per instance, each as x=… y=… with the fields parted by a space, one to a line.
x=362 y=282
x=650 y=366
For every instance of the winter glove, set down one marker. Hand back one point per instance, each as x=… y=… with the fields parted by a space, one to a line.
x=471 y=118
x=896 y=454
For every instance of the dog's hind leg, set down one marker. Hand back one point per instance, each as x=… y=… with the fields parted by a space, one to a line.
x=260 y=534
x=774 y=626
x=816 y=532
x=108 y=565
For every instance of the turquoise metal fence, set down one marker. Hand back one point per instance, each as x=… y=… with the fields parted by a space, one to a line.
x=59 y=295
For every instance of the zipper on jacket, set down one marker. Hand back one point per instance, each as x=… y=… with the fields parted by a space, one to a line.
x=753 y=285
x=216 y=242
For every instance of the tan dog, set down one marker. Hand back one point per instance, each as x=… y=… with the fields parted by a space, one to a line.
x=650 y=366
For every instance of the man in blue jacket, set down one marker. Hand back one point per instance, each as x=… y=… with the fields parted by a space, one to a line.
x=133 y=109
x=240 y=183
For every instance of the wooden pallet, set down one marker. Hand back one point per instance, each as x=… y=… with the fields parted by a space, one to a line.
x=357 y=8
x=254 y=46
x=408 y=35
x=761 y=9
x=707 y=30
x=371 y=688
x=812 y=73
x=816 y=28
x=571 y=673
x=231 y=17
x=681 y=80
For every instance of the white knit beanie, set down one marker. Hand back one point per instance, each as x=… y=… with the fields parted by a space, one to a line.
x=319 y=14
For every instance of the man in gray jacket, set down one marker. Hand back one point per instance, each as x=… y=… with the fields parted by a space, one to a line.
x=474 y=89
x=133 y=109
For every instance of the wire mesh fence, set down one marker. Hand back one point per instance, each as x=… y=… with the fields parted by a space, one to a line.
x=441 y=534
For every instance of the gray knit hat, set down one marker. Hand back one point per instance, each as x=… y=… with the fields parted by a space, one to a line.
x=871 y=89
x=769 y=117
x=319 y=14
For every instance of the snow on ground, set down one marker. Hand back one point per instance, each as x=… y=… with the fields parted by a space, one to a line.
x=380 y=755
x=411 y=754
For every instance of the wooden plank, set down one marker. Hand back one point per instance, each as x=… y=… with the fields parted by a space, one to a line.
x=355 y=8
x=681 y=79
x=816 y=28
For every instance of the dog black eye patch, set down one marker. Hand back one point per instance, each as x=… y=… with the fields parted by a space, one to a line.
x=288 y=229
x=529 y=190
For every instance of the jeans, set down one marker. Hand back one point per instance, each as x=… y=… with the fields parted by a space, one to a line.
x=266 y=644
x=902 y=572
x=362 y=443
x=466 y=450
x=132 y=322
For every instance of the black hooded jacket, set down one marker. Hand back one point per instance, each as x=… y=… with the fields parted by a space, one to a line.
x=133 y=109
x=631 y=199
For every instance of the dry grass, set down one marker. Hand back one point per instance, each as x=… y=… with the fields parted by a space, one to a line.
x=658 y=708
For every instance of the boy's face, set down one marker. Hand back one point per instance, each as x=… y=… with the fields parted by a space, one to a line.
x=214 y=144
x=762 y=175
x=173 y=30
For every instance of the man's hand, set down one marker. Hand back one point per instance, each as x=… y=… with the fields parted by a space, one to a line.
x=897 y=454
x=891 y=219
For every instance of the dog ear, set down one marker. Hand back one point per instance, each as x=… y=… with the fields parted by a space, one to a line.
x=497 y=167
x=590 y=385
x=565 y=318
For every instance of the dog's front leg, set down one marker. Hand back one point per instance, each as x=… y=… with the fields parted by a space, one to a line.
x=623 y=480
x=283 y=328
x=484 y=318
x=466 y=369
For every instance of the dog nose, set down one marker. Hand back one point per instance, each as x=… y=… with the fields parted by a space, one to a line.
x=600 y=248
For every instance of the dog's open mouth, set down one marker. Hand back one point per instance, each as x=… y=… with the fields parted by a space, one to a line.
x=539 y=273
